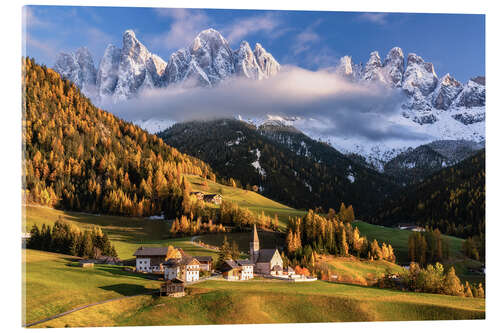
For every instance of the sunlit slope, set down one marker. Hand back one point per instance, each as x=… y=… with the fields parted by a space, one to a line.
x=246 y=199
x=223 y=302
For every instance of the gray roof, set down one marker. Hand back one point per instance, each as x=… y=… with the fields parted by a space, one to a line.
x=151 y=251
x=172 y=262
x=210 y=196
x=229 y=265
x=245 y=262
x=176 y=281
x=265 y=255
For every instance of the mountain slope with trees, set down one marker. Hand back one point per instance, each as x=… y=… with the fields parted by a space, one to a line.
x=316 y=176
x=452 y=200
x=81 y=158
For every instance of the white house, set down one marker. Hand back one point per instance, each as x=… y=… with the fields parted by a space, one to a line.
x=187 y=269
x=150 y=259
x=237 y=270
x=246 y=269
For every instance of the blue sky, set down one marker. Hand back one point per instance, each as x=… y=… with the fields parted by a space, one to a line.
x=312 y=40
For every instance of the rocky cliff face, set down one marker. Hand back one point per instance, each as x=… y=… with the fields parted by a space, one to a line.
x=124 y=72
x=79 y=68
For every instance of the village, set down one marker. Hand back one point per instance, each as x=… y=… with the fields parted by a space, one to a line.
x=179 y=269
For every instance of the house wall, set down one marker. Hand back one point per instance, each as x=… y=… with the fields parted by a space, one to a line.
x=192 y=273
x=262 y=268
x=276 y=260
x=205 y=266
x=171 y=272
x=246 y=273
x=231 y=275
x=143 y=264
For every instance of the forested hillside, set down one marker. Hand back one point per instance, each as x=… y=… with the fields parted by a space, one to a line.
x=303 y=174
x=79 y=157
x=452 y=200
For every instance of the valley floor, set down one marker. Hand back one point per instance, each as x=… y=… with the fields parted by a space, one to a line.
x=54 y=284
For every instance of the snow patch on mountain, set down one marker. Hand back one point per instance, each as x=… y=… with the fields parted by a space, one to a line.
x=256 y=164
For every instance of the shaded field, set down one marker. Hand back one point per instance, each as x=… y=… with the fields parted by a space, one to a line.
x=247 y=199
x=222 y=302
x=54 y=283
x=125 y=233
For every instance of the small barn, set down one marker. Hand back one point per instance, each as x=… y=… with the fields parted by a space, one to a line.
x=86 y=263
x=173 y=288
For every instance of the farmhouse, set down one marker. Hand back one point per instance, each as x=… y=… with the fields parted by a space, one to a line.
x=198 y=195
x=237 y=270
x=151 y=259
x=186 y=268
x=206 y=263
x=213 y=198
x=266 y=261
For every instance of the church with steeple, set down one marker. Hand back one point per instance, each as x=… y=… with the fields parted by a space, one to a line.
x=266 y=261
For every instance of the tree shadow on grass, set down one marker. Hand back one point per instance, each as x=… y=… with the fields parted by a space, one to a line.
x=118 y=270
x=128 y=289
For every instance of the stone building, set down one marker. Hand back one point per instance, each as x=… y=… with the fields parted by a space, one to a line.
x=266 y=261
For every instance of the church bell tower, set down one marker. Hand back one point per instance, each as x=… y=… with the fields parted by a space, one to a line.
x=254 y=246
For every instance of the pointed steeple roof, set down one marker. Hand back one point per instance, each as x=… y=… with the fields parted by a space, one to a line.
x=255 y=235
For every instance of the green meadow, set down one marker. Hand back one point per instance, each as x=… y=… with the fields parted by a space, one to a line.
x=255 y=202
x=126 y=233
x=54 y=283
x=274 y=302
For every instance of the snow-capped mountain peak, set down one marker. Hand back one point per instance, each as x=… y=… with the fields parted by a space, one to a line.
x=123 y=73
x=373 y=68
x=245 y=62
x=79 y=68
x=266 y=61
x=446 y=92
x=394 y=66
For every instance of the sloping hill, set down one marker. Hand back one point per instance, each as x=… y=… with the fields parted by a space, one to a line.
x=125 y=233
x=452 y=200
x=81 y=158
x=260 y=301
x=255 y=202
x=308 y=177
x=414 y=165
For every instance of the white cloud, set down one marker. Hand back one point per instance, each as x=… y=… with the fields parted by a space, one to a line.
x=242 y=28
x=377 y=18
x=31 y=19
x=186 y=24
x=348 y=109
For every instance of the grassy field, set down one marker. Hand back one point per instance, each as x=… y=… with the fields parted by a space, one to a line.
x=399 y=239
x=247 y=199
x=363 y=272
x=222 y=302
x=54 y=283
x=126 y=233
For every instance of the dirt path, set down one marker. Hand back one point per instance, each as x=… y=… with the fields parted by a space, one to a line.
x=84 y=307
x=205 y=246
